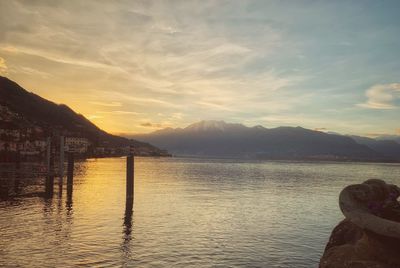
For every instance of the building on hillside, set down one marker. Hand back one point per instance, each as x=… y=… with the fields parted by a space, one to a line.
x=8 y=146
x=76 y=144
x=9 y=131
x=35 y=147
x=40 y=144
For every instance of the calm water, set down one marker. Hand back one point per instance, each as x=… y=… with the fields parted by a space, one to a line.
x=187 y=213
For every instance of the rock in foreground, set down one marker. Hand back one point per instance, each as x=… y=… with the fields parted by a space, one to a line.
x=368 y=237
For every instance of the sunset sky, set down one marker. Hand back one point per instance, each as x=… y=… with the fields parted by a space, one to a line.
x=137 y=66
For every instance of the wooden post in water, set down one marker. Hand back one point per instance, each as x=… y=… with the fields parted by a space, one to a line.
x=130 y=177
x=70 y=173
x=61 y=168
x=130 y=189
x=128 y=218
x=50 y=170
x=48 y=154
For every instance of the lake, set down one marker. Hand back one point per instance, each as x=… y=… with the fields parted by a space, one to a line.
x=186 y=213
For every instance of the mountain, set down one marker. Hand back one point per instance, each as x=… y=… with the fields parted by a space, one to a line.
x=395 y=138
x=387 y=148
x=221 y=139
x=31 y=110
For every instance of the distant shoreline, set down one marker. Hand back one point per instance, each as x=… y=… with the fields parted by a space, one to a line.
x=238 y=159
x=277 y=160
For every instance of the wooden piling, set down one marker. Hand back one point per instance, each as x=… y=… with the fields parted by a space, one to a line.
x=128 y=216
x=70 y=179
x=49 y=185
x=61 y=167
x=70 y=170
x=50 y=170
x=48 y=154
x=130 y=177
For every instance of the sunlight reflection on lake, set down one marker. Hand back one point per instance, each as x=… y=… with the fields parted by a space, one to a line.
x=187 y=213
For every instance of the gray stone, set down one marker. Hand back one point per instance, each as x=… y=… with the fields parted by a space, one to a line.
x=369 y=236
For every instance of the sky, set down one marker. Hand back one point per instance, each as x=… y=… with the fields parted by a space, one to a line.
x=138 y=66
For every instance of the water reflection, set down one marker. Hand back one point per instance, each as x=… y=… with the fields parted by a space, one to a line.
x=128 y=217
x=47 y=207
x=70 y=189
x=28 y=180
x=69 y=212
x=127 y=229
x=60 y=187
x=188 y=213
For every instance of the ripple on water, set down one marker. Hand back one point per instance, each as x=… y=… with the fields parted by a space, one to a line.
x=187 y=213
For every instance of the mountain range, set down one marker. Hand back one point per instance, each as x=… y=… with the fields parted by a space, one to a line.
x=202 y=139
x=387 y=148
x=220 y=139
x=30 y=110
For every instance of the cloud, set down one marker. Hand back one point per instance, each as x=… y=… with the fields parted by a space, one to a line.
x=107 y=104
x=374 y=134
x=154 y=101
x=320 y=129
x=94 y=116
x=152 y=125
x=398 y=131
x=382 y=96
x=57 y=57
x=177 y=116
x=33 y=72
x=175 y=64
x=214 y=106
x=3 y=66
x=118 y=112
